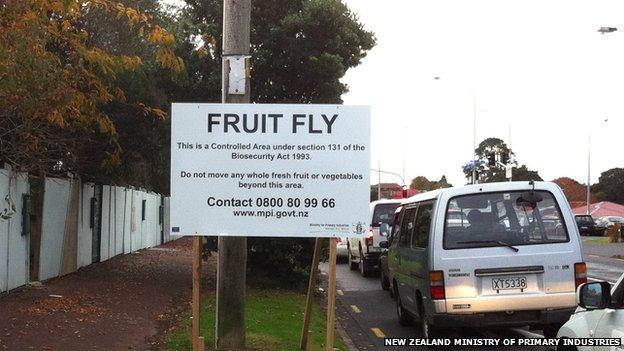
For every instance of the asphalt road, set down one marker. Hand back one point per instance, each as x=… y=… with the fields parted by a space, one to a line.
x=368 y=314
x=604 y=261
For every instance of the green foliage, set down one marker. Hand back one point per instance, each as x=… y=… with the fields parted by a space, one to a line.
x=611 y=185
x=61 y=71
x=273 y=320
x=300 y=48
x=424 y=184
x=287 y=259
x=523 y=173
x=491 y=174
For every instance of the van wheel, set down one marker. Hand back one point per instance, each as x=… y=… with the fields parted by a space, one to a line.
x=429 y=330
x=385 y=283
x=405 y=318
x=550 y=330
x=364 y=271
x=352 y=265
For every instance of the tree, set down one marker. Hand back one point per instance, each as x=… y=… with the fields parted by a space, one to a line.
x=611 y=185
x=574 y=191
x=300 y=48
x=497 y=172
x=143 y=137
x=424 y=184
x=55 y=84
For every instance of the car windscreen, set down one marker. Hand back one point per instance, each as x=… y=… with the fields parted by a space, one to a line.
x=503 y=218
x=384 y=213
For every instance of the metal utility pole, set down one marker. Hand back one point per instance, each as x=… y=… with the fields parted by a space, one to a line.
x=232 y=264
x=588 y=172
x=474 y=136
x=379 y=182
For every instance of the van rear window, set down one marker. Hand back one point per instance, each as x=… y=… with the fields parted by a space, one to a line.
x=502 y=219
x=384 y=213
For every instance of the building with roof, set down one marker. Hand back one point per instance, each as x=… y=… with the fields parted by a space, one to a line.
x=601 y=209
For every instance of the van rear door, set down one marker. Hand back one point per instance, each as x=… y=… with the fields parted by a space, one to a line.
x=507 y=245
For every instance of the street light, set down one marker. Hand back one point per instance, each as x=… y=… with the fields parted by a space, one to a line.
x=474 y=130
x=603 y=30
x=589 y=167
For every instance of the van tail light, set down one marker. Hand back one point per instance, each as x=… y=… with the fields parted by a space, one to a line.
x=369 y=238
x=436 y=285
x=580 y=273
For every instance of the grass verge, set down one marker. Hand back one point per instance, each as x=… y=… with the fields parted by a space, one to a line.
x=273 y=318
x=601 y=240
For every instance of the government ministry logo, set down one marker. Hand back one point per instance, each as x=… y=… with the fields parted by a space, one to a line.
x=359 y=228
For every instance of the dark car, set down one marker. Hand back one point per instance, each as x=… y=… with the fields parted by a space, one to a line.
x=587 y=226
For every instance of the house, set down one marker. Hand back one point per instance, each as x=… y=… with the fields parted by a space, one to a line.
x=392 y=191
x=601 y=209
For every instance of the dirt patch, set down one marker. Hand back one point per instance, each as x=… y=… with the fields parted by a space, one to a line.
x=125 y=303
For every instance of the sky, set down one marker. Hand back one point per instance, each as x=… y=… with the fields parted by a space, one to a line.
x=540 y=74
x=537 y=68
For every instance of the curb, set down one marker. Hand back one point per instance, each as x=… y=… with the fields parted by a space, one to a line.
x=345 y=337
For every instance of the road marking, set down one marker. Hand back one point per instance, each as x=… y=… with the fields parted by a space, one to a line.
x=340 y=292
x=355 y=309
x=378 y=333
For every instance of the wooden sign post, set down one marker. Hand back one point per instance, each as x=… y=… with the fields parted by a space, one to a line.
x=306 y=332
x=310 y=297
x=196 y=340
x=331 y=295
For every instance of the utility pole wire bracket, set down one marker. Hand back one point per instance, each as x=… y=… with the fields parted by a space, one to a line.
x=238 y=72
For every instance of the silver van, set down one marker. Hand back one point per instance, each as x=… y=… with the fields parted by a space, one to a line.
x=498 y=254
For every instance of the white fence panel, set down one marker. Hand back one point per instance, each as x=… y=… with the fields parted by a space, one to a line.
x=18 y=248
x=85 y=232
x=105 y=235
x=166 y=222
x=137 y=240
x=55 y=208
x=120 y=206
x=127 y=237
x=126 y=226
x=5 y=207
x=152 y=219
x=145 y=240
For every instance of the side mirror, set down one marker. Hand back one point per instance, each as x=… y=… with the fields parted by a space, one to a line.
x=384 y=229
x=383 y=244
x=593 y=296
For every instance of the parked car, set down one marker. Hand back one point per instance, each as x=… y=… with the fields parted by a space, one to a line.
x=587 y=226
x=515 y=261
x=600 y=314
x=364 y=252
x=384 y=274
x=609 y=221
x=341 y=248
